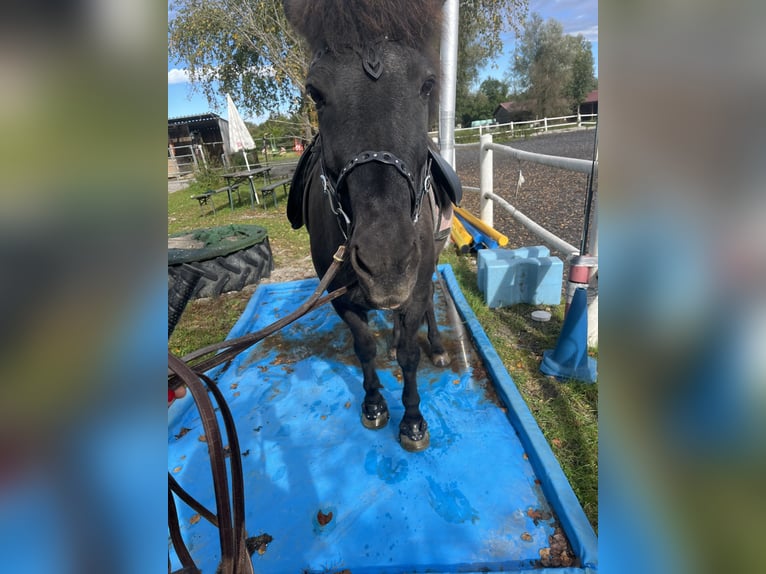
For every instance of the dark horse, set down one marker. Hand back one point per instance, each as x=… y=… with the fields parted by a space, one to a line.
x=371 y=180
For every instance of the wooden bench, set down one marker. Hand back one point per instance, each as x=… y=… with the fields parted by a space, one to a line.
x=270 y=189
x=208 y=195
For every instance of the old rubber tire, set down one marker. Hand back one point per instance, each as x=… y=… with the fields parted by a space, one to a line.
x=226 y=266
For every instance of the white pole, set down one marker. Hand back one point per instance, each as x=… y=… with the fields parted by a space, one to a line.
x=244 y=155
x=485 y=179
x=448 y=80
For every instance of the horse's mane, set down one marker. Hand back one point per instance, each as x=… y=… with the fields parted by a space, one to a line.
x=340 y=23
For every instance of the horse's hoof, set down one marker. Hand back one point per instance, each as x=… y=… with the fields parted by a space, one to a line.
x=375 y=415
x=414 y=437
x=441 y=359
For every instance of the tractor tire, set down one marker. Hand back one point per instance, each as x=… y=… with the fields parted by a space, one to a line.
x=222 y=269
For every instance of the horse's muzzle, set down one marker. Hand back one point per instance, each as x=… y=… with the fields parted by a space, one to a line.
x=386 y=282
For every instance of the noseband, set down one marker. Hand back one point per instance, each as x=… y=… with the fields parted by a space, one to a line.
x=332 y=188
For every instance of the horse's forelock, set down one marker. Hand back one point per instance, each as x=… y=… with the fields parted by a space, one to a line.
x=340 y=23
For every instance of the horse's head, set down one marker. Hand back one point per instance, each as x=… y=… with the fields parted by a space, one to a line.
x=372 y=79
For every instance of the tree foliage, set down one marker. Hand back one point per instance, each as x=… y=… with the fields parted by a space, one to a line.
x=479 y=40
x=481 y=105
x=248 y=49
x=555 y=71
x=245 y=48
x=582 y=80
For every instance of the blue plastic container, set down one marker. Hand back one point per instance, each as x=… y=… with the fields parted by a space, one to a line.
x=525 y=275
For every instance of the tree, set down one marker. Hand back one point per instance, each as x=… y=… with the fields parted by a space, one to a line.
x=248 y=49
x=582 y=80
x=495 y=90
x=480 y=26
x=555 y=71
x=241 y=47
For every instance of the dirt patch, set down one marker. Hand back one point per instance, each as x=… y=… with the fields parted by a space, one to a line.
x=295 y=270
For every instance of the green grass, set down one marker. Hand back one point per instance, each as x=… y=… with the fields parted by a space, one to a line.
x=567 y=413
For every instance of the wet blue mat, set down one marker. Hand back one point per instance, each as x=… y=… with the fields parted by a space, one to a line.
x=487 y=495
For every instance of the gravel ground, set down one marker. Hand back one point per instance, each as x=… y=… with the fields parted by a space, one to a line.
x=552 y=197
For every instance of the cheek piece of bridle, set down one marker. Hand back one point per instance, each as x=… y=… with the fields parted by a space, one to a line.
x=331 y=189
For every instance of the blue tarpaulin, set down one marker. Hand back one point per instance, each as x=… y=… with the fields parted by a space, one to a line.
x=486 y=495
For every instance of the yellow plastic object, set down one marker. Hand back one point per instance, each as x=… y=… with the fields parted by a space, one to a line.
x=460 y=236
x=501 y=239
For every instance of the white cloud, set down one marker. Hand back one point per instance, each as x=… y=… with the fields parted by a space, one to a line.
x=176 y=76
x=590 y=33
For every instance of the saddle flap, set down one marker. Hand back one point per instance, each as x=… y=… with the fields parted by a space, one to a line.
x=445 y=179
x=300 y=183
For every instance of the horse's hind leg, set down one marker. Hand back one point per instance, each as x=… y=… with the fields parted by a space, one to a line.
x=439 y=355
x=374 y=408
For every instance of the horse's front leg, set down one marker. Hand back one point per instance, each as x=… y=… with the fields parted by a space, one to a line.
x=374 y=408
x=413 y=429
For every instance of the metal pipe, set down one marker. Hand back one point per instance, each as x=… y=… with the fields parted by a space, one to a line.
x=589 y=197
x=448 y=81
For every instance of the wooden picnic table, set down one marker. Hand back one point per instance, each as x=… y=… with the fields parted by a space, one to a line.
x=237 y=177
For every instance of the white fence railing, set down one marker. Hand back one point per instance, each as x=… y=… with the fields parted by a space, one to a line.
x=487 y=199
x=518 y=129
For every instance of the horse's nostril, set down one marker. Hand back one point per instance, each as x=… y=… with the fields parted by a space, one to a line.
x=359 y=264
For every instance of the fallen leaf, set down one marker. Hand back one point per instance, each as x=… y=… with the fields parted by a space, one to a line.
x=177 y=469
x=526 y=537
x=258 y=543
x=194 y=519
x=323 y=518
x=202 y=438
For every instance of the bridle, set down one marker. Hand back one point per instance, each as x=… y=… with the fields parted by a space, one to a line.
x=372 y=63
x=331 y=189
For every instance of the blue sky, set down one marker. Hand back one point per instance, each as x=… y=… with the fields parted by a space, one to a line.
x=576 y=16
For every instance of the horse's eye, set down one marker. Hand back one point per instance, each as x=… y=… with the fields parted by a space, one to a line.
x=427 y=88
x=315 y=95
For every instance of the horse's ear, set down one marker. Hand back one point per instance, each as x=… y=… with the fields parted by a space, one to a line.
x=299 y=185
x=446 y=182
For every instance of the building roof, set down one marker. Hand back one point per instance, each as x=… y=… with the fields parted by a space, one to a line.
x=591 y=97
x=514 y=106
x=194 y=119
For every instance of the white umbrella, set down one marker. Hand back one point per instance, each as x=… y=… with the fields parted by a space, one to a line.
x=239 y=136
